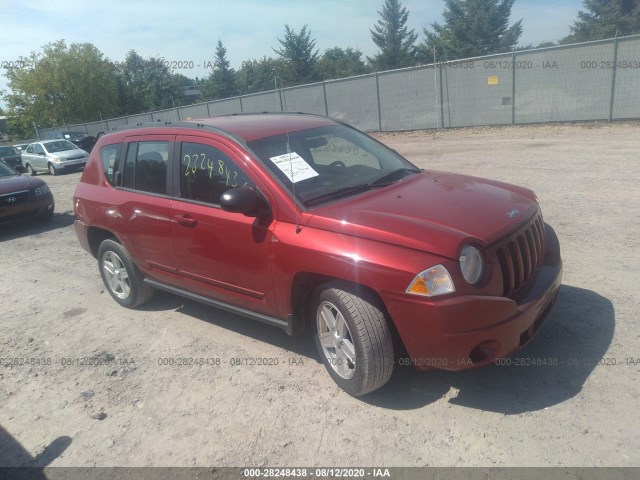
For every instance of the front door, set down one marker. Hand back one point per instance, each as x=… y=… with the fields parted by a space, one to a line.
x=221 y=255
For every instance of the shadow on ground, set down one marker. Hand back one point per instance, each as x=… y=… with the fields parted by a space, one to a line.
x=300 y=344
x=35 y=227
x=575 y=337
x=13 y=454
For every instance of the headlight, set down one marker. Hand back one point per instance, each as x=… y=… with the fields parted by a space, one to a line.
x=42 y=190
x=471 y=264
x=432 y=282
x=58 y=159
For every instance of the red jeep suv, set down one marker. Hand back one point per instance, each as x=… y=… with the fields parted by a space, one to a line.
x=307 y=224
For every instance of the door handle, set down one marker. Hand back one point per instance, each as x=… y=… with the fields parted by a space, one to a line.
x=186 y=220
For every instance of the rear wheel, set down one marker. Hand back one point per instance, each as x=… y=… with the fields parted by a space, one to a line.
x=121 y=276
x=52 y=169
x=31 y=171
x=353 y=337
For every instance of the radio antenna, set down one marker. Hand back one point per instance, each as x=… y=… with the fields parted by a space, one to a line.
x=283 y=100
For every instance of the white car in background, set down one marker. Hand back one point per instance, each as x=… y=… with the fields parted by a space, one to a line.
x=54 y=156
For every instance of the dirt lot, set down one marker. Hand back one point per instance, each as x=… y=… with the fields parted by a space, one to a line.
x=582 y=412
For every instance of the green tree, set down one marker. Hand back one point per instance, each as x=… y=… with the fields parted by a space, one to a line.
x=604 y=19
x=145 y=84
x=472 y=28
x=392 y=36
x=339 y=63
x=221 y=82
x=60 y=85
x=182 y=80
x=259 y=75
x=297 y=52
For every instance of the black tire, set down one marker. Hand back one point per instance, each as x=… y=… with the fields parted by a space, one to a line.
x=30 y=170
x=367 y=336
x=52 y=170
x=138 y=292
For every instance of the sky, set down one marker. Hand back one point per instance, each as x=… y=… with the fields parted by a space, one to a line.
x=188 y=30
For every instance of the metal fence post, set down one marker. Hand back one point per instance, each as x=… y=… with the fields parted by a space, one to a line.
x=324 y=93
x=613 y=77
x=241 y=107
x=441 y=97
x=208 y=111
x=378 y=98
x=513 y=87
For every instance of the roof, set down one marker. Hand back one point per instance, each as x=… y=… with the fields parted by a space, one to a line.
x=251 y=127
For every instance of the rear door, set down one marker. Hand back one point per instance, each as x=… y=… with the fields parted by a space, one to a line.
x=141 y=206
x=221 y=255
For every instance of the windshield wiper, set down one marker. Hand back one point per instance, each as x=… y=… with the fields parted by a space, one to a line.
x=382 y=181
x=337 y=192
x=386 y=178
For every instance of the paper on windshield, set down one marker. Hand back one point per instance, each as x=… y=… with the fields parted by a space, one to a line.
x=294 y=167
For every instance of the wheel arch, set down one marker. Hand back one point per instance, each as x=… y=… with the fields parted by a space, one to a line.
x=97 y=235
x=304 y=286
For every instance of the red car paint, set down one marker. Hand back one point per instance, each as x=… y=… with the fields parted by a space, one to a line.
x=380 y=239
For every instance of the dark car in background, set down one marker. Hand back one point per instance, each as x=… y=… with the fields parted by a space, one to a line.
x=10 y=155
x=81 y=139
x=23 y=197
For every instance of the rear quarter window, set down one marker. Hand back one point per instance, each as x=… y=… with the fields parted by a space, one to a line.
x=110 y=156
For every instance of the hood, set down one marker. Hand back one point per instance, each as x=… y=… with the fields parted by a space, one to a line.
x=70 y=154
x=434 y=212
x=16 y=183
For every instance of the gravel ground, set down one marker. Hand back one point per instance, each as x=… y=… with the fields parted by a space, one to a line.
x=96 y=394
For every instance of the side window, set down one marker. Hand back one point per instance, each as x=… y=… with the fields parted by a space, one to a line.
x=110 y=156
x=206 y=173
x=38 y=148
x=145 y=167
x=30 y=148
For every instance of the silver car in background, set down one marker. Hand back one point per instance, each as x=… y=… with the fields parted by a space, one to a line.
x=54 y=156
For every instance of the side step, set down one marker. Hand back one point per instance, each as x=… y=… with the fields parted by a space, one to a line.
x=286 y=325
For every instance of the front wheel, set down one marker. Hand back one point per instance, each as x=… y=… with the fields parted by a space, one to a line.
x=31 y=171
x=353 y=337
x=52 y=169
x=121 y=276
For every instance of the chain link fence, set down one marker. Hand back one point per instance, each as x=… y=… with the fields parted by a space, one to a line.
x=582 y=82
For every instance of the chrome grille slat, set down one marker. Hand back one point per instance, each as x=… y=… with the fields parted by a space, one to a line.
x=520 y=256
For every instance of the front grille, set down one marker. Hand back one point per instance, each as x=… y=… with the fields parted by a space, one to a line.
x=77 y=157
x=520 y=256
x=14 y=198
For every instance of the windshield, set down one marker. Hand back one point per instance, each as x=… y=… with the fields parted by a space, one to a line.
x=59 y=146
x=330 y=162
x=5 y=170
x=5 y=151
x=74 y=135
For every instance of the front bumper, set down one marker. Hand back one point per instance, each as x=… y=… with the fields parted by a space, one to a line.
x=469 y=331
x=70 y=165
x=38 y=207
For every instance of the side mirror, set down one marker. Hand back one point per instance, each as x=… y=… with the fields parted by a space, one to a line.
x=20 y=169
x=244 y=200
